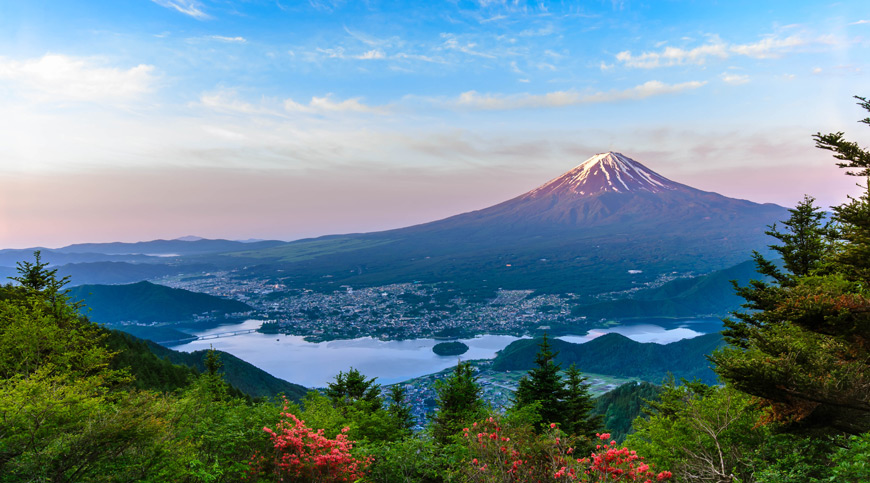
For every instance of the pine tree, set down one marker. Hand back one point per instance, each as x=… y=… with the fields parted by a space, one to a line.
x=544 y=385
x=459 y=403
x=578 y=406
x=805 y=242
x=854 y=215
x=399 y=409
x=802 y=346
x=352 y=387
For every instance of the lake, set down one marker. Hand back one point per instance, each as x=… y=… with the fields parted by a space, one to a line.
x=314 y=364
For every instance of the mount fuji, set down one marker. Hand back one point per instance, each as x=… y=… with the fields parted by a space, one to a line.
x=608 y=224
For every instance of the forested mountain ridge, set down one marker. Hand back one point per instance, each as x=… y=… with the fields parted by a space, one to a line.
x=145 y=302
x=617 y=355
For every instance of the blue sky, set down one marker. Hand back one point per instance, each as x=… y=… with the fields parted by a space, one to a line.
x=283 y=119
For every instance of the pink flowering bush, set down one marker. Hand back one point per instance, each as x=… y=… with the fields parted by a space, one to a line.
x=304 y=455
x=517 y=455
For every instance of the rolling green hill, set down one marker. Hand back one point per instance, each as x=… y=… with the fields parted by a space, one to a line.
x=617 y=355
x=147 y=302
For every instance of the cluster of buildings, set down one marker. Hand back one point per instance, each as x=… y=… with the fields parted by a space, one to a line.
x=397 y=311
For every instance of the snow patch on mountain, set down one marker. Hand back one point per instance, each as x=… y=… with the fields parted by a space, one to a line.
x=605 y=172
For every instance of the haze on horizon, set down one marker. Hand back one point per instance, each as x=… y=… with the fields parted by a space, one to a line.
x=128 y=121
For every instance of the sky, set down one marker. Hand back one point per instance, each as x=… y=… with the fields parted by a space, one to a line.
x=147 y=119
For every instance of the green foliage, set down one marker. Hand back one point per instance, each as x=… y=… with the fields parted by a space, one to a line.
x=459 y=403
x=353 y=401
x=701 y=433
x=220 y=432
x=544 y=385
x=623 y=405
x=578 y=417
x=61 y=415
x=801 y=345
x=412 y=460
x=854 y=215
x=241 y=375
x=399 y=409
x=147 y=370
x=806 y=243
x=791 y=458
x=852 y=463
x=353 y=388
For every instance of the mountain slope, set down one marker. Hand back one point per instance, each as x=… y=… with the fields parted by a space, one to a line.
x=581 y=232
x=178 y=247
x=146 y=302
x=710 y=294
x=242 y=375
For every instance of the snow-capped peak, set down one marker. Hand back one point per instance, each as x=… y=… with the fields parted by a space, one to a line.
x=608 y=171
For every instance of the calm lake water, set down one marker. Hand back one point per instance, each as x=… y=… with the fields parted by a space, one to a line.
x=314 y=364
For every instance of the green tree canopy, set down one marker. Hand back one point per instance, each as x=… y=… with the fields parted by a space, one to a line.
x=544 y=385
x=459 y=403
x=803 y=345
x=353 y=387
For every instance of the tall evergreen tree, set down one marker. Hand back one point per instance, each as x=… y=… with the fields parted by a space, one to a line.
x=578 y=406
x=805 y=243
x=854 y=215
x=544 y=385
x=459 y=403
x=352 y=387
x=802 y=347
x=399 y=409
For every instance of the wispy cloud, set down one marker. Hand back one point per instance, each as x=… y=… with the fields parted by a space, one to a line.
x=860 y=22
x=336 y=53
x=61 y=78
x=540 y=32
x=371 y=40
x=423 y=58
x=187 y=7
x=474 y=100
x=767 y=47
x=734 y=79
x=327 y=104
x=227 y=101
x=373 y=54
x=221 y=38
x=339 y=53
x=326 y=5
x=451 y=42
